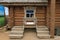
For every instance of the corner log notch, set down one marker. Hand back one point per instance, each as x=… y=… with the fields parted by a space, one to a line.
x=52 y=16
x=11 y=17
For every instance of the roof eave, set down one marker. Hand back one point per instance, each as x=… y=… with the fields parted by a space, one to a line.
x=23 y=3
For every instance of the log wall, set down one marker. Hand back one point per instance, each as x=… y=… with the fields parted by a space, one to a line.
x=11 y=17
x=41 y=16
x=57 y=15
x=18 y=16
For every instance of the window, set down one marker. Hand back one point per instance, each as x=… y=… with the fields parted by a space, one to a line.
x=29 y=13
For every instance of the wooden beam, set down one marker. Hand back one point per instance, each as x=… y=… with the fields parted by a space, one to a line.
x=47 y=16
x=11 y=17
x=52 y=15
x=25 y=4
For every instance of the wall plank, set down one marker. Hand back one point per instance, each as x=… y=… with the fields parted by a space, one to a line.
x=40 y=15
x=19 y=15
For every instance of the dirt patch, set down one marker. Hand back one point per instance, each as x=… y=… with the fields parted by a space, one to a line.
x=4 y=36
x=29 y=34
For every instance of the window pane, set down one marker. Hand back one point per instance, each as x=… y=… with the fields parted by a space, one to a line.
x=27 y=15
x=31 y=15
x=29 y=11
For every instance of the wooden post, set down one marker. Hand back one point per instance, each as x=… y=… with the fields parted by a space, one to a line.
x=11 y=17
x=47 y=16
x=52 y=16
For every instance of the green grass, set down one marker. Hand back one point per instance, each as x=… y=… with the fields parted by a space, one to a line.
x=2 y=21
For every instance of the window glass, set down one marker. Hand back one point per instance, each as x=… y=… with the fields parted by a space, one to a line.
x=29 y=13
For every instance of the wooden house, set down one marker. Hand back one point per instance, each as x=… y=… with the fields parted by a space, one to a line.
x=33 y=14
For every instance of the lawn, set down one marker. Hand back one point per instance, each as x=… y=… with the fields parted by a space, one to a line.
x=1 y=21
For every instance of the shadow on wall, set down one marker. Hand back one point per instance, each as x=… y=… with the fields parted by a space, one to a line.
x=57 y=31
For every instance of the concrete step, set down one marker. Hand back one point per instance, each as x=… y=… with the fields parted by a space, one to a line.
x=18 y=29
x=15 y=39
x=43 y=36
x=16 y=33
x=42 y=29
x=42 y=32
x=15 y=36
x=18 y=26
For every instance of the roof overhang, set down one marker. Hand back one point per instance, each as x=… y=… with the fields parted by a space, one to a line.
x=23 y=2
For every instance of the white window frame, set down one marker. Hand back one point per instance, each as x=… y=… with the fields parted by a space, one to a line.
x=29 y=8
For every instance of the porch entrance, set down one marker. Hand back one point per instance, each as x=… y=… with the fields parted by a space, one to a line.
x=25 y=17
x=30 y=19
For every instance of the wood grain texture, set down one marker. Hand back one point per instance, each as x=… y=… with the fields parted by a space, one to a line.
x=11 y=17
x=40 y=15
x=52 y=20
x=57 y=16
x=19 y=16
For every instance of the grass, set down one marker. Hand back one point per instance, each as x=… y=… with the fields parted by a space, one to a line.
x=2 y=21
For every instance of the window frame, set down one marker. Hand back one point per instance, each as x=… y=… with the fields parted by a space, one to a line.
x=29 y=8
